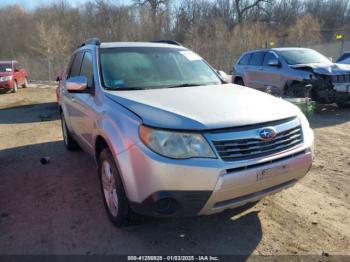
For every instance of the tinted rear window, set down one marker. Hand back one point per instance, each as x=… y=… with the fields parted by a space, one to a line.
x=257 y=59
x=245 y=59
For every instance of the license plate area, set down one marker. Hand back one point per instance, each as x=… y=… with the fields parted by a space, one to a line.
x=272 y=172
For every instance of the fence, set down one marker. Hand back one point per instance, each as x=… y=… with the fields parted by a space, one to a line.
x=43 y=69
x=49 y=69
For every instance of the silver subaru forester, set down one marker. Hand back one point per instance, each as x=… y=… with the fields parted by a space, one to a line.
x=170 y=137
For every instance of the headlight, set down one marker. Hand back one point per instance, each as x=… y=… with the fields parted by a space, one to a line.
x=5 y=78
x=303 y=120
x=307 y=131
x=176 y=144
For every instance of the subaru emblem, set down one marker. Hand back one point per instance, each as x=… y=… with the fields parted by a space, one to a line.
x=267 y=133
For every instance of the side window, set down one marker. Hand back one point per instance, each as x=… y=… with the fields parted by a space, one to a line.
x=87 y=69
x=269 y=56
x=245 y=59
x=68 y=68
x=257 y=59
x=75 y=69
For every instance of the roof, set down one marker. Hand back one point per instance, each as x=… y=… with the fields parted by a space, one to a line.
x=7 y=61
x=277 y=49
x=139 y=44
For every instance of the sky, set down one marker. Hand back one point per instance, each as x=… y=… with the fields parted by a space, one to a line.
x=32 y=4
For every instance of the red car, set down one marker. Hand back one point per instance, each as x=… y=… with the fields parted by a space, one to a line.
x=12 y=75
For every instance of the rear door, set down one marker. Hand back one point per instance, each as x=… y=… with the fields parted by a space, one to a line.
x=67 y=99
x=254 y=71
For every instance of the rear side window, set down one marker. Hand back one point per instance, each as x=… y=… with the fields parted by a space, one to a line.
x=75 y=68
x=257 y=59
x=245 y=60
x=86 y=68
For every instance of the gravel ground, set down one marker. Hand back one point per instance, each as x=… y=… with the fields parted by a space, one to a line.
x=57 y=208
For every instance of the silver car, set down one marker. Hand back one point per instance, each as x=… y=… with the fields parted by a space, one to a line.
x=170 y=137
x=295 y=72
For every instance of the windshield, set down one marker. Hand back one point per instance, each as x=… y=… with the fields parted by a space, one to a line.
x=5 y=68
x=148 y=67
x=303 y=56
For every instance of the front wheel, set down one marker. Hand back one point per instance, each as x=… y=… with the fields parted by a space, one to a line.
x=25 y=84
x=296 y=90
x=15 y=87
x=114 y=197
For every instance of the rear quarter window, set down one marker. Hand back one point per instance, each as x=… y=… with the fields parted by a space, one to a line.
x=244 y=60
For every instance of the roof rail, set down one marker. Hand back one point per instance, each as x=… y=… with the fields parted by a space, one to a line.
x=91 y=41
x=170 y=42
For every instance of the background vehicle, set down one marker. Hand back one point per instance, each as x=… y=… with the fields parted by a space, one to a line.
x=170 y=137
x=295 y=72
x=12 y=75
x=344 y=58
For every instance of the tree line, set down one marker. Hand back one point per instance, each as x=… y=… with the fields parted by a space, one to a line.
x=219 y=30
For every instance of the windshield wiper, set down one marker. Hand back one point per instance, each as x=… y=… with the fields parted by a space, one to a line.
x=124 y=88
x=184 y=85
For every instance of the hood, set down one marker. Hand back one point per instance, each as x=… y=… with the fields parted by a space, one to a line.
x=324 y=68
x=204 y=107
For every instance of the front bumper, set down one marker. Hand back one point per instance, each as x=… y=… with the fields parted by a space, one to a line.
x=6 y=84
x=159 y=186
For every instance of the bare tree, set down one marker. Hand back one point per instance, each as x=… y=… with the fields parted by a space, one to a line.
x=243 y=6
x=156 y=7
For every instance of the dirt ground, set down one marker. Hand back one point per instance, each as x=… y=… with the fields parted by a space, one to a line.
x=57 y=208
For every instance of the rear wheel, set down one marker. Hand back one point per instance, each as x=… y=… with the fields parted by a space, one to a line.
x=68 y=140
x=25 y=84
x=113 y=193
x=239 y=81
x=15 y=87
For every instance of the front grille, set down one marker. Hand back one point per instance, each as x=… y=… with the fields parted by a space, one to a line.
x=243 y=149
x=337 y=79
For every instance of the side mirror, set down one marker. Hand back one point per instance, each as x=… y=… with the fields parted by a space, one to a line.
x=274 y=62
x=58 y=79
x=77 y=84
x=16 y=70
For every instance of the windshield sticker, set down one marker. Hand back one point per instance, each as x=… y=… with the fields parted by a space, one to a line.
x=8 y=70
x=190 y=55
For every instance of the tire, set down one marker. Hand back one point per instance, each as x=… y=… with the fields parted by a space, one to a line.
x=25 y=85
x=296 y=90
x=113 y=193
x=343 y=104
x=68 y=140
x=15 y=87
x=239 y=81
